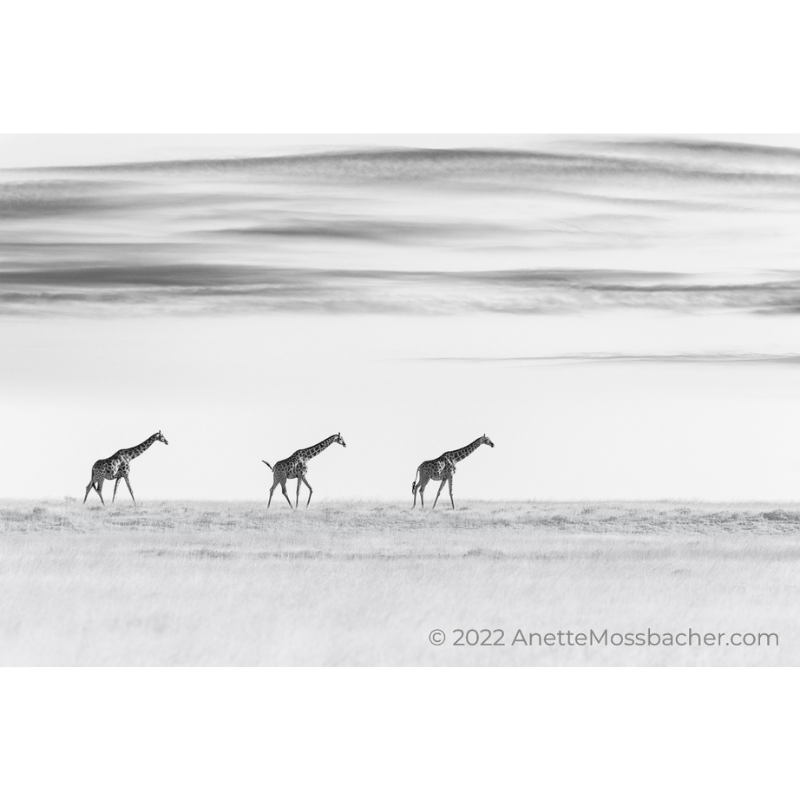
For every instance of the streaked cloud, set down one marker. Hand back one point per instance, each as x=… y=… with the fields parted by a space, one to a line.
x=700 y=358
x=708 y=149
x=398 y=164
x=373 y=230
x=194 y=288
x=583 y=225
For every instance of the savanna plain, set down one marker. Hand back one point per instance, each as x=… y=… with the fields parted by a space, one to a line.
x=365 y=583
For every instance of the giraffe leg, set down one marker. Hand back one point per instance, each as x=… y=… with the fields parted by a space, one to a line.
x=129 y=489
x=297 y=499
x=421 y=489
x=285 y=493
x=116 y=483
x=450 y=487
x=98 y=487
x=89 y=488
x=276 y=482
x=310 y=491
x=441 y=486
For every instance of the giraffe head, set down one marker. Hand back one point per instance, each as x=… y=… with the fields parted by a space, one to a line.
x=339 y=440
x=160 y=438
x=486 y=440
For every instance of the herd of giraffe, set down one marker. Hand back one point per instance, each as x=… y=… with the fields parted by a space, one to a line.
x=118 y=467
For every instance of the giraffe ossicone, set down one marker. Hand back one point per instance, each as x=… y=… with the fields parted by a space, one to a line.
x=296 y=466
x=443 y=469
x=118 y=467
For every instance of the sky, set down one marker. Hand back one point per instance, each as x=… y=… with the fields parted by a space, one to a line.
x=618 y=314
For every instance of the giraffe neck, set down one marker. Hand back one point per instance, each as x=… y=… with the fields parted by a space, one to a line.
x=459 y=455
x=131 y=452
x=315 y=450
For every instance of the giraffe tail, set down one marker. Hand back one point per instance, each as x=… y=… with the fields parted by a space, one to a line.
x=414 y=483
x=267 y=463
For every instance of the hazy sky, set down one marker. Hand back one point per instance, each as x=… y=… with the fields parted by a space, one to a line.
x=618 y=315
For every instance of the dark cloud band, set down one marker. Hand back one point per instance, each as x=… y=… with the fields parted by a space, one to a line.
x=189 y=286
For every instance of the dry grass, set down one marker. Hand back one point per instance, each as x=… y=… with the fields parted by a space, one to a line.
x=363 y=583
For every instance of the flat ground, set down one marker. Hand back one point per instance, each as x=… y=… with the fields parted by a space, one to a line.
x=213 y=584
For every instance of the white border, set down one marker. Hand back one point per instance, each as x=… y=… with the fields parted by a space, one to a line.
x=397 y=733
x=431 y=66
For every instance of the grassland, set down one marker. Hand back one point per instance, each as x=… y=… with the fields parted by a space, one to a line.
x=213 y=584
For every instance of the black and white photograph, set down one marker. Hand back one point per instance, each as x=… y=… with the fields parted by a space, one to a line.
x=399 y=400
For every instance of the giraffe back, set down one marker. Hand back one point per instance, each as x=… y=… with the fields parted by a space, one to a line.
x=293 y=467
x=437 y=468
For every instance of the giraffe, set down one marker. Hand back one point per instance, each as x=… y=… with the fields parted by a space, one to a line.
x=117 y=467
x=296 y=466
x=442 y=469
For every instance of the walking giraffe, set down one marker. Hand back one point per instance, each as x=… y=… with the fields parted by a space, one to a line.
x=442 y=469
x=118 y=467
x=296 y=466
